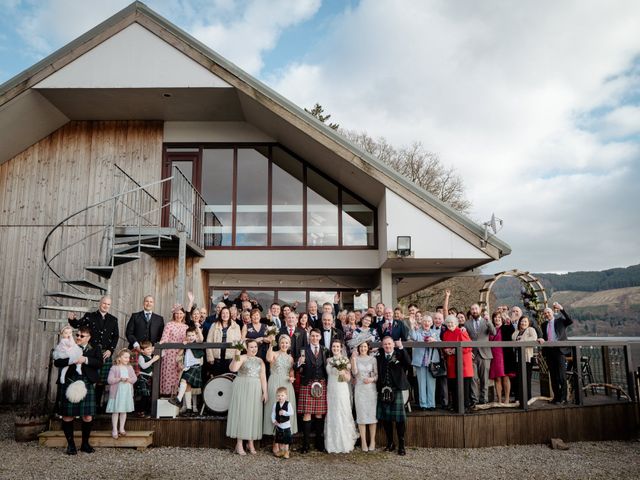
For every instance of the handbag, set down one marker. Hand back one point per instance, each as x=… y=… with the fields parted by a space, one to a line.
x=437 y=369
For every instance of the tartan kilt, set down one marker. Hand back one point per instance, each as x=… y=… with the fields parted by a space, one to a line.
x=283 y=436
x=143 y=386
x=193 y=376
x=134 y=362
x=392 y=411
x=87 y=407
x=104 y=371
x=312 y=405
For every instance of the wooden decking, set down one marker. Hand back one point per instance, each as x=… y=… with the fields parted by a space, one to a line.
x=495 y=427
x=139 y=439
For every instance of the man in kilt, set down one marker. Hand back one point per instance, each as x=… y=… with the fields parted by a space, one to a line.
x=90 y=363
x=191 y=377
x=104 y=336
x=393 y=363
x=312 y=398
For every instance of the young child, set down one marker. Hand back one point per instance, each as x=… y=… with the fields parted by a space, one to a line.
x=281 y=418
x=121 y=379
x=191 y=373
x=146 y=359
x=68 y=349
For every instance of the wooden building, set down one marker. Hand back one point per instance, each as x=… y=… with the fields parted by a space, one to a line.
x=135 y=160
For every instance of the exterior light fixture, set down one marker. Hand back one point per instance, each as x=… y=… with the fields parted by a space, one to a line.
x=403 y=246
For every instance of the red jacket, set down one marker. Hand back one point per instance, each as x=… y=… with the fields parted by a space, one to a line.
x=458 y=335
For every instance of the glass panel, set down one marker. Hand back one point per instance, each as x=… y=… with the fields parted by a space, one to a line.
x=253 y=190
x=186 y=167
x=357 y=222
x=264 y=297
x=322 y=211
x=322 y=297
x=286 y=195
x=290 y=297
x=216 y=296
x=217 y=190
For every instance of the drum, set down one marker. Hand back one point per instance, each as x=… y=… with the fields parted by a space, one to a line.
x=217 y=392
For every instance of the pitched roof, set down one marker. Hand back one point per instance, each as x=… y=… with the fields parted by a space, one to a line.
x=140 y=13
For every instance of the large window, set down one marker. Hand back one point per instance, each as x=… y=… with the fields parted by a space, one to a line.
x=261 y=196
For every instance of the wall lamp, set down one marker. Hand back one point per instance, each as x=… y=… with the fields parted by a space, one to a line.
x=403 y=246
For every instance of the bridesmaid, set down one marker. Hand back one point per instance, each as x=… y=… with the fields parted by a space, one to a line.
x=248 y=393
x=365 y=370
x=281 y=376
x=174 y=332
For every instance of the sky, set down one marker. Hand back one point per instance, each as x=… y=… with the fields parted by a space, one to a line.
x=536 y=104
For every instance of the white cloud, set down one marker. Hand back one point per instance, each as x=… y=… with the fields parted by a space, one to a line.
x=501 y=91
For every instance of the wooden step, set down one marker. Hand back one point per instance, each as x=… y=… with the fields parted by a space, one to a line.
x=99 y=439
x=83 y=282
x=100 y=270
x=75 y=295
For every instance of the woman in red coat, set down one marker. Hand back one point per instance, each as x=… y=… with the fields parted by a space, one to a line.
x=455 y=334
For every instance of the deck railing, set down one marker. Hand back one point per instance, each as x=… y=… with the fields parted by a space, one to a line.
x=619 y=373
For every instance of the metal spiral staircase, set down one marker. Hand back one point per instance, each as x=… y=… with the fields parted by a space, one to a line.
x=163 y=218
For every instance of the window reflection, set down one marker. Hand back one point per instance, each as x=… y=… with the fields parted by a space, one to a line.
x=253 y=196
x=357 y=222
x=322 y=211
x=217 y=191
x=287 y=208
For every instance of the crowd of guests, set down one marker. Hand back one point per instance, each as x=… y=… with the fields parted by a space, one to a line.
x=315 y=372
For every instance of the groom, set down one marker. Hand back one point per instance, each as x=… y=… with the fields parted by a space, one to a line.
x=393 y=363
x=312 y=399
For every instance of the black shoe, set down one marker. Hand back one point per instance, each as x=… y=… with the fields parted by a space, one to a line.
x=390 y=447
x=401 y=451
x=86 y=448
x=304 y=449
x=71 y=450
x=175 y=401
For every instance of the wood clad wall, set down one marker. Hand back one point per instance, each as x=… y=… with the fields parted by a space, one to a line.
x=59 y=175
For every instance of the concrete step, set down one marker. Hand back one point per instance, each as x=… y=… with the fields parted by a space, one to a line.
x=99 y=439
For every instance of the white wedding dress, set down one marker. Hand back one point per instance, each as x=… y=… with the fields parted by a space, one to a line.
x=339 y=429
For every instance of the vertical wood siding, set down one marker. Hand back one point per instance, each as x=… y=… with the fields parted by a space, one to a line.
x=53 y=178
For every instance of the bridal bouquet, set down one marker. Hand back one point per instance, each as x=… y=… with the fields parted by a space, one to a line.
x=272 y=330
x=340 y=364
x=240 y=349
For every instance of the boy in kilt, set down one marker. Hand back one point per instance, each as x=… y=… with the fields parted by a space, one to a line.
x=312 y=398
x=146 y=359
x=82 y=405
x=393 y=363
x=191 y=377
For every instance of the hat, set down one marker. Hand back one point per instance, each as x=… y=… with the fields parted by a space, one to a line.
x=176 y=308
x=359 y=339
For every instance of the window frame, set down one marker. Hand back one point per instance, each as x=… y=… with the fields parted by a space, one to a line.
x=235 y=146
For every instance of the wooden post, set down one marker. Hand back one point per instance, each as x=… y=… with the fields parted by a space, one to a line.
x=523 y=392
x=577 y=375
x=182 y=265
x=631 y=384
x=155 y=386
x=459 y=379
x=606 y=369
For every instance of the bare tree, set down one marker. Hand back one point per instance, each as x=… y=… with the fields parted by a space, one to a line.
x=414 y=162
x=419 y=165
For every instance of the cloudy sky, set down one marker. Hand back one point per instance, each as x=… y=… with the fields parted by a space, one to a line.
x=535 y=103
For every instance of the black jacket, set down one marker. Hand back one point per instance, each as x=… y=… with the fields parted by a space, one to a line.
x=139 y=330
x=91 y=369
x=313 y=368
x=104 y=333
x=393 y=373
x=560 y=326
x=335 y=335
x=399 y=330
x=298 y=341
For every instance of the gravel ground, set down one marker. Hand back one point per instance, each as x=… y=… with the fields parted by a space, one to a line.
x=619 y=460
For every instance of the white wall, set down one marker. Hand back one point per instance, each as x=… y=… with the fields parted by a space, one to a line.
x=212 y=132
x=293 y=260
x=133 y=58
x=429 y=239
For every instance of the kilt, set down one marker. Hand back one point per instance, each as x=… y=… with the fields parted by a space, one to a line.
x=87 y=407
x=283 y=436
x=143 y=386
x=193 y=376
x=134 y=362
x=392 y=411
x=312 y=405
x=104 y=371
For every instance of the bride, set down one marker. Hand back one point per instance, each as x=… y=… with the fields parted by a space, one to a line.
x=339 y=430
